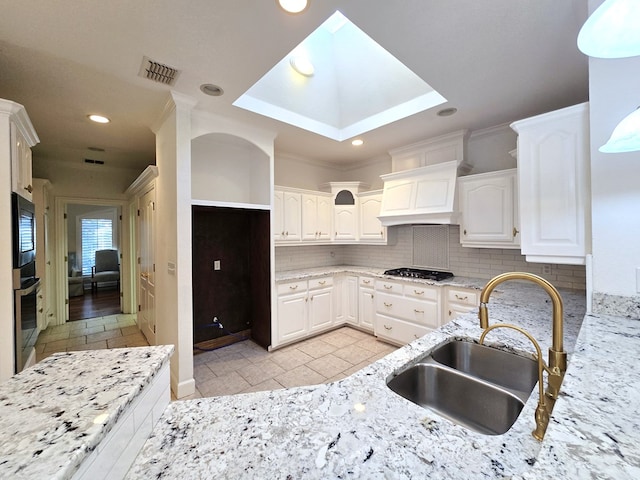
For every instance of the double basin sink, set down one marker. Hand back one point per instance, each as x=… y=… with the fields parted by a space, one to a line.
x=481 y=388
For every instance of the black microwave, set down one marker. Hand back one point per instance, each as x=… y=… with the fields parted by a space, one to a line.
x=24 y=231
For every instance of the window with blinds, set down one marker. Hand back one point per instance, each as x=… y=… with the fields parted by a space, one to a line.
x=96 y=234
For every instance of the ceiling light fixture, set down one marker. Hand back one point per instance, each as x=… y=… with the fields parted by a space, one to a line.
x=357 y=142
x=626 y=135
x=612 y=30
x=98 y=118
x=302 y=65
x=211 y=89
x=293 y=6
x=447 y=112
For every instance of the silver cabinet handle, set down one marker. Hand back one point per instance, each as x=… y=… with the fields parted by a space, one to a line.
x=418 y=311
x=387 y=304
x=293 y=287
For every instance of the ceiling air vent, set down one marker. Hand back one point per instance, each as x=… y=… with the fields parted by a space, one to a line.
x=158 y=72
x=95 y=162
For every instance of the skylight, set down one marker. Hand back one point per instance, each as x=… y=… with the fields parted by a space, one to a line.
x=355 y=85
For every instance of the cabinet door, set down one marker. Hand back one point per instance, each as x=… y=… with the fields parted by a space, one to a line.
x=345 y=222
x=292 y=316
x=292 y=203
x=278 y=215
x=553 y=162
x=488 y=210
x=324 y=215
x=366 y=308
x=21 y=181
x=370 y=226
x=309 y=217
x=320 y=309
x=351 y=294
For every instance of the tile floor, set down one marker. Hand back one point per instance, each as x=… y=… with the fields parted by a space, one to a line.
x=238 y=368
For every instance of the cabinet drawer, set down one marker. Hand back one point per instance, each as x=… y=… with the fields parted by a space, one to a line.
x=366 y=282
x=291 y=287
x=389 y=304
x=421 y=291
x=323 y=282
x=424 y=312
x=463 y=297
x=398 y=331
x=389 y=287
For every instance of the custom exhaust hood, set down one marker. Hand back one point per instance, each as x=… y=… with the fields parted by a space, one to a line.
x=422 y=195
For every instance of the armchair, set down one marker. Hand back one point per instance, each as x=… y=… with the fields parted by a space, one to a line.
x=106 y=268
x=76 y=282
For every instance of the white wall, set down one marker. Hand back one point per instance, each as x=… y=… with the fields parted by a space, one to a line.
x=368 y=172
x=302 y=173
x=488 y=149
x=614 y=92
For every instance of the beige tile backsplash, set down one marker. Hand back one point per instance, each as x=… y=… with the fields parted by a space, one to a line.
x=463 y=261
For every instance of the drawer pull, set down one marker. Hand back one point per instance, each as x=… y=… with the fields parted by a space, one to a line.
x=388 y=287
x=366 y=281
x=416 y=336
x=418 y=292
x=387 y=304
x=322 y=282
x=293 y=287
x=418 y=311
x=462 y=298
x=387 y=328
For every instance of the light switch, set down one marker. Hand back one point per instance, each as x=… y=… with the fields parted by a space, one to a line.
x=216 y=264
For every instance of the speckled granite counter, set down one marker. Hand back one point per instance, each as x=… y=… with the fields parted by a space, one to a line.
x=54 y=414
x=318 y=432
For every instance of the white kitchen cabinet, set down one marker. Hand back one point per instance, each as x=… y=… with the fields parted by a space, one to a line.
x=444 y=148
x=405 y=311
x=320 y=304
x=351 y=299
x=489 y=210
x=346 y=222
x=553 y=182
x=459 y=301
x=366 y=303
x=287 y=212
x=371 y=229
x=292 y=311
x=316 y=217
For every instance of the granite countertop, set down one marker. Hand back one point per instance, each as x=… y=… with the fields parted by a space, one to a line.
x=54 y=414
x=359 y=428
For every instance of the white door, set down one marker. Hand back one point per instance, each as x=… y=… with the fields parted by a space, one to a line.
x=146 y=260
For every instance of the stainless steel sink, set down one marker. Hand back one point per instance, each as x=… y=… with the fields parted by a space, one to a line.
x=478 y=387
x=504 y=369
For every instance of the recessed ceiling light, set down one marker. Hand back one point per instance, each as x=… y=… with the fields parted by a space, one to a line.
x=98 y=119
x=357 y=142
x=447 y=112
x=302 y=65
x=211 y=89
x=293 y=6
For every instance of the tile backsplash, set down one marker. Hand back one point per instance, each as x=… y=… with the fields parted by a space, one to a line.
x=463 y=261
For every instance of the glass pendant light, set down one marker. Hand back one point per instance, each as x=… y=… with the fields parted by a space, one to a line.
x=612 y=31
x=626 y=135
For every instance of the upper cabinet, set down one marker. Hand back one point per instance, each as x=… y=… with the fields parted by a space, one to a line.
x=371 y=228
x=489 y=210
x=444 y=148
x=316 y=217
x=20 y=136
x=287 y=208
x=553 y=181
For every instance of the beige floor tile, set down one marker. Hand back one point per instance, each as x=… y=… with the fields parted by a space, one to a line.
x=95 y=337
x=77 y=325
x=373 y=345
x=130 y=330
x=353 y=354
x=255 y=353
x=227 y=384
x=299 y=376
x=256 y=373
x=42 y=356
x=87 y=331
x=89 y=346
x=133 y=340
x=46 y=337
x=329 y=365
x=354 y=332
x=290 y=359
x=265 y=386
x=228 y=363
x=62 y=345
x=202 y=373
x=200 y=357
x=317 y=348
x=339 y=339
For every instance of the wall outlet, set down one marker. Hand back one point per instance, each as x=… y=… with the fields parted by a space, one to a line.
x=216 y=264
x=546 y=269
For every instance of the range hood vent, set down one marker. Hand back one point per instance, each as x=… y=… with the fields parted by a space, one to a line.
x=425 y=195
x=158 y=72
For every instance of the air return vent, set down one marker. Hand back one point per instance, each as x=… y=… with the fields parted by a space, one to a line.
x=95 y=162
x=158 y=72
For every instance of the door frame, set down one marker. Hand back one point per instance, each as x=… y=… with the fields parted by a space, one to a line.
x=62 y=246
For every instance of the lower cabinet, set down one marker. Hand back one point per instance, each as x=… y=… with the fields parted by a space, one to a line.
x=459 y=301
x=304 y=307
x=406 y=311
x=366 y=303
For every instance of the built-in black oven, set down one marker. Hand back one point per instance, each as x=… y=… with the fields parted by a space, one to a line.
x=25 y=283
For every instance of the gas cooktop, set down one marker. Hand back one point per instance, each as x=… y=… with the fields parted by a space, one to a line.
x=419 y=273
